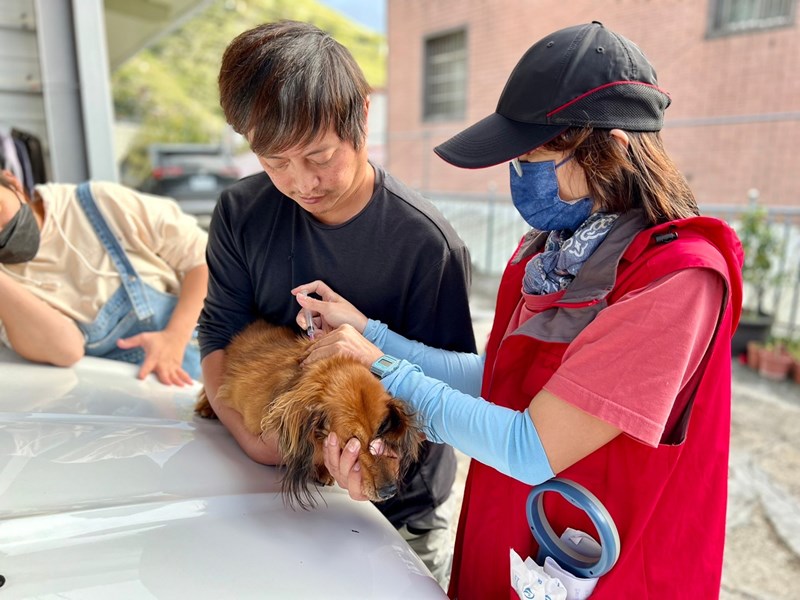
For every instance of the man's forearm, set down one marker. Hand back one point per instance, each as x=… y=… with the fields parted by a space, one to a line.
x=262 y=449
x=36 y=330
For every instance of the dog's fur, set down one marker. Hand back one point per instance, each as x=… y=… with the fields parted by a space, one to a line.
x=265 y=383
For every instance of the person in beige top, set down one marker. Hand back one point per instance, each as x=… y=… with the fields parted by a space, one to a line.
x=133 y=294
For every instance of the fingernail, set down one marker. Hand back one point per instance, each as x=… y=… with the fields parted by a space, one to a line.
x=357 y=467
x=332 y=440
x=353 y=445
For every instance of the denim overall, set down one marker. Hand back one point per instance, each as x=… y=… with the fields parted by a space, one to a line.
x=134 y=308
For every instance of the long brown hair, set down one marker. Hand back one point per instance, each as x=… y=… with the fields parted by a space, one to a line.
x=283 y=84
x=643 y=177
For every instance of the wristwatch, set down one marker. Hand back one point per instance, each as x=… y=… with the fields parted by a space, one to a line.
x=384 y=366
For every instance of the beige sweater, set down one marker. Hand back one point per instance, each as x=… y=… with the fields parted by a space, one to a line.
x=78 y=277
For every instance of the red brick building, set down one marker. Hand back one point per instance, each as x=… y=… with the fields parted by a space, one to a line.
x=731 y=67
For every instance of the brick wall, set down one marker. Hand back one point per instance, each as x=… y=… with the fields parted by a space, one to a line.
x=734 y=122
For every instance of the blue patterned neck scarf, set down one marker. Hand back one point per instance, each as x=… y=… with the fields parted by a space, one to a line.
x=563 y=255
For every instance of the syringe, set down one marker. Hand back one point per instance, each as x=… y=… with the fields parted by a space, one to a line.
x=309 y=320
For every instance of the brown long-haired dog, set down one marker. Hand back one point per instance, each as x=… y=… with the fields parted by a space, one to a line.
x=265 y=383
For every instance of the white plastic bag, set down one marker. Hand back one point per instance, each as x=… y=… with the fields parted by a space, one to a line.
x=531 y=582
x=552 y=582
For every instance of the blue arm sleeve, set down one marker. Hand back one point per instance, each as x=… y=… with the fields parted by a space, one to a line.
x=496 y=436
x=461 y=370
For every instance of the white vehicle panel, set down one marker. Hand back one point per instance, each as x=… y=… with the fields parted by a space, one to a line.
x=111 y=487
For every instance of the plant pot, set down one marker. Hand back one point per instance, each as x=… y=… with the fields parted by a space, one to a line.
x=754 y=349
x=774 y=364
x=752 y=327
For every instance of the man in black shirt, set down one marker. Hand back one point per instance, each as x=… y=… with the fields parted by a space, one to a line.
x=321 y=210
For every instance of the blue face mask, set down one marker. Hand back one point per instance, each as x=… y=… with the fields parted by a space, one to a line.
x=534 y=192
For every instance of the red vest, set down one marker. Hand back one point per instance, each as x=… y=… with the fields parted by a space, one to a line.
x=669 y=502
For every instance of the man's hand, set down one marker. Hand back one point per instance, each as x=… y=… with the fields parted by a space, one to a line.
x=163 y=355
x=343 y=465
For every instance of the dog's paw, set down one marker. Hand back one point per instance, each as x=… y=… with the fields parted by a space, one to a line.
x=203 y=407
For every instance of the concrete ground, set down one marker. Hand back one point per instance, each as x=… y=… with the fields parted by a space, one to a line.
x=762 y=550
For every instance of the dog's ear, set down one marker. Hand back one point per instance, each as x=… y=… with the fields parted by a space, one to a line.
x=301 y=423
x=401 y=429
x=395 y=419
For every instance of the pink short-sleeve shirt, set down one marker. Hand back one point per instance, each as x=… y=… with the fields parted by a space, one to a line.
x=629 y=364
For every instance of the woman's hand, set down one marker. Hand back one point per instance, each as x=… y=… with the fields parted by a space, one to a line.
x=163 y=354
x=330 y=312
x=343 y=341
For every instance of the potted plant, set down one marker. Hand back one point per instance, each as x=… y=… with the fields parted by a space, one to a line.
x=794 y=351
x=774 y=360
x=754 y=348
x=761 y=249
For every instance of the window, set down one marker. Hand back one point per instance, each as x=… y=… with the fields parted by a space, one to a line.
x=445 y=85
x=733 y=16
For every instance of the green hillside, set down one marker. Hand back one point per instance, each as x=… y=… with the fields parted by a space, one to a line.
x=170 y=88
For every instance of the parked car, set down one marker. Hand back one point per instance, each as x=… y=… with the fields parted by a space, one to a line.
x=192 y=174
x=111 y=487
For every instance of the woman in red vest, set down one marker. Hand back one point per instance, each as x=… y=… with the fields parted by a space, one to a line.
x=609 y=358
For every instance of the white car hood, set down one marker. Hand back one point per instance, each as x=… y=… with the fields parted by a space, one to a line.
x=111 y=487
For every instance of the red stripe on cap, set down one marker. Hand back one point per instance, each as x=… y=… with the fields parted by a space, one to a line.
x=602 y=87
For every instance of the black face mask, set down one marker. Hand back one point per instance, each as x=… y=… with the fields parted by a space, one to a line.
x=19 y=239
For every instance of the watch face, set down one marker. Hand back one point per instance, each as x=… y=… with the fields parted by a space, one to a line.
x=384 y=365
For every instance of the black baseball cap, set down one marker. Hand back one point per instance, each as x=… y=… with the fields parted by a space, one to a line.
x=581 y=76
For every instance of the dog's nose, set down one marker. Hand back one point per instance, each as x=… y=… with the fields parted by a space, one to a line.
x=387 y=491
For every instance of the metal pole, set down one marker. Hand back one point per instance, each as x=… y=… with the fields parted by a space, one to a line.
x=490 y=226
x=61 y=92
x=787 y=231
x=426 y=160
x=793 y=310
x=95 y=88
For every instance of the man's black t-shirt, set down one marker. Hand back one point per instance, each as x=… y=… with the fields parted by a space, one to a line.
x=398 y=261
